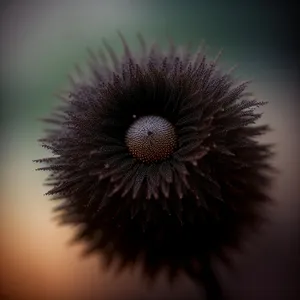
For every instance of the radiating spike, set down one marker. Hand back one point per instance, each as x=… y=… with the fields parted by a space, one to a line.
x=232 y=69
x=234 y=94
x=178 y=185
x=112 y=54
x=79 y=71
x=45 y=160
x=172 y=50
x=142 y=42
x=178 y=210
x=218 y=56
x=166 y=172
x=128 y=187
x=104 y=202
x=92 y=54
x=102 y=56
x=72 y=81
x=199 y=55
x=127 y=179
x=64 y=96
x=58 y=189
x=165 y=206
x=149 y=192
x=194 y=156
x=165 y=187
x=125 y=45
x=138 y=181
x=134 y=210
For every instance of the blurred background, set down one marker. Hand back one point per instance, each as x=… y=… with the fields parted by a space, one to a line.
x=40 y=43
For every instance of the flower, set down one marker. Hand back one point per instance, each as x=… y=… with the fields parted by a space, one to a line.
x=157 y=154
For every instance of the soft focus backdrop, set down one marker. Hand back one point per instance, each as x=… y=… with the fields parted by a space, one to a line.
x=40 y=43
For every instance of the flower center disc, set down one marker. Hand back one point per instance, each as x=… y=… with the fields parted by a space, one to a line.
x=151 y=138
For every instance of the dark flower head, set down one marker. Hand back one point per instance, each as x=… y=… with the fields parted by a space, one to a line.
x=158 y=153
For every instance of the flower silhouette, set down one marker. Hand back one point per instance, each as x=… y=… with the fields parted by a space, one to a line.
x=156 y=157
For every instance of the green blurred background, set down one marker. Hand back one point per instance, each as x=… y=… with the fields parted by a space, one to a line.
x=40 y=43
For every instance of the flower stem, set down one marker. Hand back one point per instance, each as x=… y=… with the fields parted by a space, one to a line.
x=206 y=277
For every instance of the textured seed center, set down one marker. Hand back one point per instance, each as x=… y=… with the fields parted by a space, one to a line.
x=151 y=138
